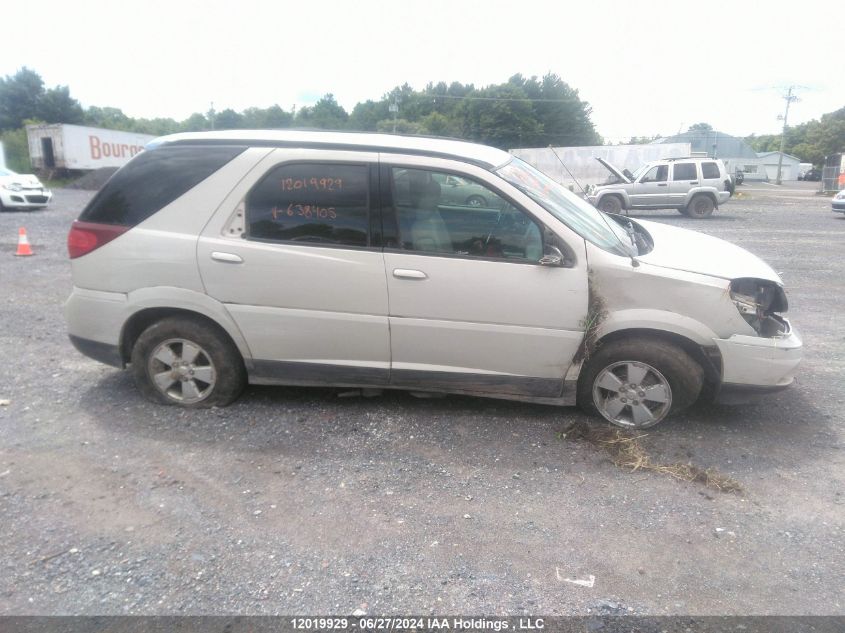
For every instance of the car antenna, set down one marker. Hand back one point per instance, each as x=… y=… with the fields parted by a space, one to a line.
x=634 y=261
x=567 y=170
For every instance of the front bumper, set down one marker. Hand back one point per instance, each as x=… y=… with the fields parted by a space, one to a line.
x=25 y=198
x=838 y=206
x=759 y=364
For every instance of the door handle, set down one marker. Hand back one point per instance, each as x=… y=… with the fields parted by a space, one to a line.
x=661 y=184
x=229 y=258
x=404 y=273
x=694 y=182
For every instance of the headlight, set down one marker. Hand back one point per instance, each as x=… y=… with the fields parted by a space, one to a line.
x=758 y=301
x=839 y=196
x=14 y=186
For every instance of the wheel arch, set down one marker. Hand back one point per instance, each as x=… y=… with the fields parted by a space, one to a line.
x=702 y=192
x=707 y=356
x=622 y=195
x=155 y=304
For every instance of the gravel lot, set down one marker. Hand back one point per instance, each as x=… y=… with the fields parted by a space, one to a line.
x=297 y=501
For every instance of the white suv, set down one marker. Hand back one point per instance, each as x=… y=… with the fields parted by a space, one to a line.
x=693 y=186
x=316 y=258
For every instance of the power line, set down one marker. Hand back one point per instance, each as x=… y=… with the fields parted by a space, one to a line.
x=439 y=96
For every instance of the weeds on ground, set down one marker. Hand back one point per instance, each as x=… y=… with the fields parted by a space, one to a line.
x=626 y=451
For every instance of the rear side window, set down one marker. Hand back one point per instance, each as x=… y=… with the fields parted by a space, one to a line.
x=684 y=171
x=322 y=203
x=152 y=180
x=709 y=170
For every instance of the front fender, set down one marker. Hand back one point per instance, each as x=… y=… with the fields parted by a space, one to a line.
x=660 y=320
x=621 y=193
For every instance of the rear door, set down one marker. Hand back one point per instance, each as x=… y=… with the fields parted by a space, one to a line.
x=470 y=307
x=290 y=255
x=684 y=177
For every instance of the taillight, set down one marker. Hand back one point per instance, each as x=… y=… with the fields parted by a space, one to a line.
x=85 y=237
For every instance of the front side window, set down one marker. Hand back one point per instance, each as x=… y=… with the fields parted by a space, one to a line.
x=658 y=173
x=311 y=202
x=443 y=213
x=684 y=171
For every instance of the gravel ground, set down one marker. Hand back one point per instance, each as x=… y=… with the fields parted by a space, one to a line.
x=297 y=501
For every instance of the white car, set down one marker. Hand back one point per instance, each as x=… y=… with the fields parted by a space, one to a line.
x=838 y=202
x=22 y=191
x=321 y=258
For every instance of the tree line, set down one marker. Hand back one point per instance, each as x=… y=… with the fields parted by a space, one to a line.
x=810 y=141
x=521 y=112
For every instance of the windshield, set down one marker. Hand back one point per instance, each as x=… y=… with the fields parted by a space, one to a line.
x=640 y=170
x=579 y=215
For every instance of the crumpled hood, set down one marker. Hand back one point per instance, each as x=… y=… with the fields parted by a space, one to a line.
x=683 y=249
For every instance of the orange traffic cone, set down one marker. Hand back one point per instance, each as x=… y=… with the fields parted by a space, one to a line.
x=24 y=249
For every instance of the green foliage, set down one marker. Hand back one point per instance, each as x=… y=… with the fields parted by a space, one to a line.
x=700 y=127
x=57 y=106
x=522 y=112
x=228 y=119
x=325 y=114
x=19 y=97
x=16 y=150
x=810 y=141
x=402 y=126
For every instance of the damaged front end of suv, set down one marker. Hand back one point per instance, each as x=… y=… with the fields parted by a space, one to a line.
x=760 y=303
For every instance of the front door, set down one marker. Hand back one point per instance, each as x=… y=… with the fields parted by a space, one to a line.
x=290 y=256
x=652 y=188
x=471 y=308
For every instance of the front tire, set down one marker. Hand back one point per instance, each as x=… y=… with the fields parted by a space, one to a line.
x=637 y=383
x=187 y=362
x=611 y=204
x=476 y=201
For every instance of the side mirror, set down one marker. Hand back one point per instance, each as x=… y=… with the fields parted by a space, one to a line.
x=551 y=256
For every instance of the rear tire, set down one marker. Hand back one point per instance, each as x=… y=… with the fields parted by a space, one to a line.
x=611 y=204
x=476 y=201
x=701 y=206
x=638 y=382
x=187 y=362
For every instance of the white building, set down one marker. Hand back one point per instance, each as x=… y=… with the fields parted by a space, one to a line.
x=789 y=170
x=62 y=146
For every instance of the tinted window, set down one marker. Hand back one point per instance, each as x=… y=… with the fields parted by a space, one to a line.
x=709 y=170
x=311 y=202
x=443 y=213
x=152 y=180
x=684 y=171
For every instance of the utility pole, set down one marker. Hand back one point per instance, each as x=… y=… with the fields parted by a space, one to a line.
x=789 y=97
x=394 y=108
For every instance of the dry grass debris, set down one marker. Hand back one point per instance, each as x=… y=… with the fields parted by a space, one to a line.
x=596 y=314
x=626 y=451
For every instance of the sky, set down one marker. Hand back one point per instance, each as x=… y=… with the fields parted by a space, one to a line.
x=644 y=68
